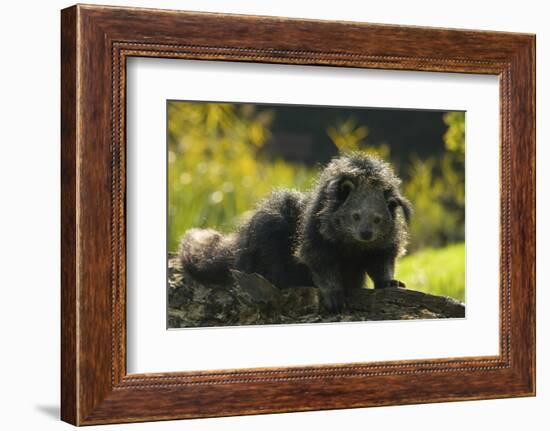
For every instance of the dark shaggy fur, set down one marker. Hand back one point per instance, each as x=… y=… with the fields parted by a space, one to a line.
x=347 y=226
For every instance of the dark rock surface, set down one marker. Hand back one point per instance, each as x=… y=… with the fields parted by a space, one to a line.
x=252 y=300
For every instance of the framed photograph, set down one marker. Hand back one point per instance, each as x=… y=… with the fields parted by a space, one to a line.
x=266 y=215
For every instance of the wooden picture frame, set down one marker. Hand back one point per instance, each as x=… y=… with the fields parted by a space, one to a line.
x=95 y=43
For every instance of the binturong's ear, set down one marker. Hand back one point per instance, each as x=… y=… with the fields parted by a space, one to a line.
x=339 y=189
x=400 y=201
x=345 y=187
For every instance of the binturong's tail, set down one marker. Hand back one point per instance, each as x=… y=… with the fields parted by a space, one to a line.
x=206 y=255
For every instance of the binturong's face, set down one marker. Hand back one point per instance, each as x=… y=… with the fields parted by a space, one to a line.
x=360 y=215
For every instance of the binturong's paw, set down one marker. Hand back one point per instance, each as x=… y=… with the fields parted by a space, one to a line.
x=333 y=301
x=389 y=283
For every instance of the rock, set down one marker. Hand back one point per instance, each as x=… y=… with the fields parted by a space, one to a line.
x=253 y=300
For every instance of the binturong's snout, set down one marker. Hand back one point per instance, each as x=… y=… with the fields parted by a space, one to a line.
x=366 y=234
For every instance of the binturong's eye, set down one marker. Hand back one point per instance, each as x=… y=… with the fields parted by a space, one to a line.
x=392 y=203
x=346 y=187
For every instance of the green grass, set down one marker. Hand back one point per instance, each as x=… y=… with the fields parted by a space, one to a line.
x=437 y=271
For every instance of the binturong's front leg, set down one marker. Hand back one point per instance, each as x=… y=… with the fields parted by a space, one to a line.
x=329 y=282
x=382 y=271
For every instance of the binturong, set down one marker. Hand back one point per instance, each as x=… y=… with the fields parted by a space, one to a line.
x=352 y=223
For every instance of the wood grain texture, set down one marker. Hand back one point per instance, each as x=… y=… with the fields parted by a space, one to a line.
x=96 y=41
x=69 y=397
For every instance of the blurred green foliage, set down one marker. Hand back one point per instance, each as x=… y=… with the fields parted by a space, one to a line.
x=347 y=135
x=217 y=172
x=436 y=188
x=455 y=135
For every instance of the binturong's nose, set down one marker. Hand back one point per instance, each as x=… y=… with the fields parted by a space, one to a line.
x=366 y=234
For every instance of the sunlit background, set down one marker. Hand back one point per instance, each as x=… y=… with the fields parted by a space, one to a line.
x=224 y=157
